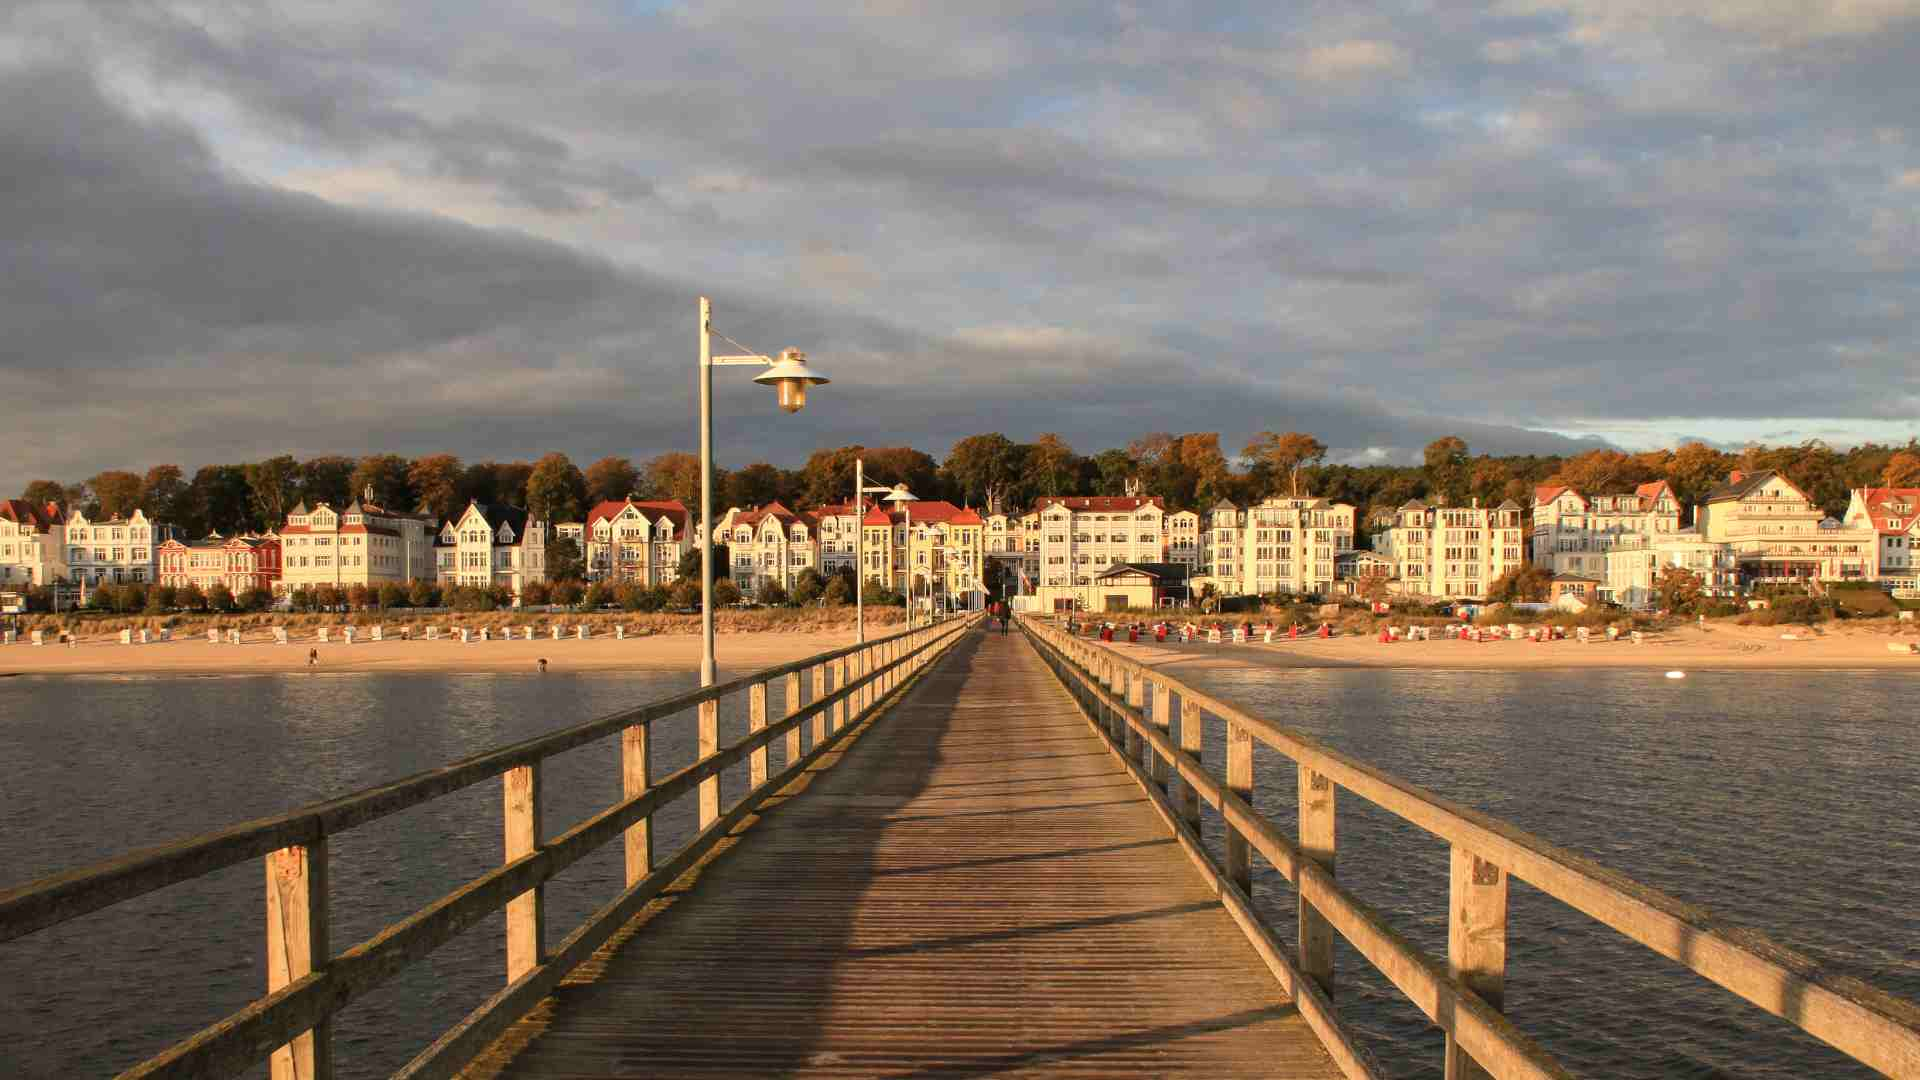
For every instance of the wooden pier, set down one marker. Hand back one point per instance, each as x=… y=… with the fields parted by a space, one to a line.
x=980 y=856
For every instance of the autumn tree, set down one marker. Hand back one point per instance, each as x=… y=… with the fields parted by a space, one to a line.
x=564 y=560
x=273 y=485
x=436 y=481
x=611 y=479
x=326 y=479
x=675 y=475
x=1446 y=465
x=42 y=492
x=1050 y=466
x=1903 y=470
x=901 y=465
x=1527 y=582
x=1602 y=472
x=219 y=498
x=386 y=475
x=1491 y=482
x=984 y=469
x=1286 y=454
x=163 y=491
x=1694 y=470
x=755 y=485
x=117 y=492
x=1115 y=469
x=1679 y=589
x=557 y=491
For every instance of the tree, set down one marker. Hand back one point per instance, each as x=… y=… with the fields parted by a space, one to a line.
x=326 y=597
x=567 y=593
x=983 y=470
x=755 y=485
x=690 y=562
x=272 y=486
x=1679 y=589
x=1491 y=480
x=899 y=465
x=1374 y=585
x=725 y=592
x=254 y=598
x=564 y=559
x=327 y=479
x=117 y=491
x=163 y=492
x=808 y=586
x=300 y=599
x=1446 y=467
x=130 y=599
x=1903 y=470
x=612 y=479
x=1694 y=470
x=435 y=480
x=423 y=593
x=839 y=590
x=599 y=595
x=42 y=492
x=535 y=593
x=1049 y=466
x=1287 y=454
x=360 y=597
x=386 y=475
x=1528 y=582
x=510 y=482
x=391 y=596
x=556 y=490
x=1114 y=471
x=675 y=476
x=771 y=593
x=1601 y=472
x=685 y=594
x=190 y=597
x=218 y=499
x=161 y=599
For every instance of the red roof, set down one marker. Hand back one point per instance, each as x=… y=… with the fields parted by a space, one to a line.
x=1099 y=502
x=672 y=509
x=966 y=517
x=1883 y=518
x=22 y=512
x=1653 y=490
x=1546 y=493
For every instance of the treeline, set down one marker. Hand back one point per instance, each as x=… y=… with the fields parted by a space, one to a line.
x=990 y=472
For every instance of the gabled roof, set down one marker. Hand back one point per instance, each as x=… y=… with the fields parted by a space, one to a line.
x=1879 y=501
x=22 y=512
x=1509 y=505
x=1546 y=493
x=493 y=514
x=1653 y=490
x=1411 y=504
x=299 y=507
x=1739 y=485
x=653 y=509
x=966 y=516
x=1159 y=571
x=1099 y=503
x=1223 y=504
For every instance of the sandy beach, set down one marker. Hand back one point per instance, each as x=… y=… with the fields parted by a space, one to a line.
x=660 y=652
x=1719 y=646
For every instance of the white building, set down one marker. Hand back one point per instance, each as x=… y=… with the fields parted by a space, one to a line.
x=32 y=543
x=770 y=544
x=1454 y=552
x=363 y=544
x=1894 y=514
x=1573 y=531
x=633 y=540
x=489 y=545
x=117 y=551
x=1081 y=535
x=1635 y=562
x=1778 y=535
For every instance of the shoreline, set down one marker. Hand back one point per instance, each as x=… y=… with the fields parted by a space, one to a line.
x=1688 y=648
x=736 y=652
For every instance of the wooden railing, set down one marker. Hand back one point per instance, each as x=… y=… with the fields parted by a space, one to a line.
x=307 y=983
x=1132 y=705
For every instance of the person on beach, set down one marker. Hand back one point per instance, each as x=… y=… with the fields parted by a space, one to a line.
x=313 y=657
x=543 y=665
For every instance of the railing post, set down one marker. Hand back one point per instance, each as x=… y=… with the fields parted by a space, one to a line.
x=636 y=776
x=709 y=745
x=756 y=722
x=1476 y=942
x=1137 y=700
x=1239 y=782
x=1193 y=736
x=794 y=704
x=1162 y=719
x=845 y=705
x=297 y=947
x=1317 y=844
x=526 y=913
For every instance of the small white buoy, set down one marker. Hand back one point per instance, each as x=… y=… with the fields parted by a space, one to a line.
x=1676 y=674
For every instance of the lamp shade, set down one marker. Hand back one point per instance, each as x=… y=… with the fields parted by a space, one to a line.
x=789 y=377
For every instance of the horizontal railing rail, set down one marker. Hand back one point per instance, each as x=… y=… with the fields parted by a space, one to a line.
x=1132 y=704
x=308 y=984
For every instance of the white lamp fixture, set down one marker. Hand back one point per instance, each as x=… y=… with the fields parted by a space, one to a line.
x=789 y=377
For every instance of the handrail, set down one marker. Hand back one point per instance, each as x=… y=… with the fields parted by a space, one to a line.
x=1464 y=995
x=57 y=898
x=307 y=983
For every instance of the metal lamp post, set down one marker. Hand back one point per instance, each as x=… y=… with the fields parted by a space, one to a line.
x=905 y=499
x=860 y=493
x=789 y=376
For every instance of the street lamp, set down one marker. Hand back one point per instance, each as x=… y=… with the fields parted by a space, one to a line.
x=904 y=500
x=789 y=377
x=860 y=493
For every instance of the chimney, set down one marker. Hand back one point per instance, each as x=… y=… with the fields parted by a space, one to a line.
x=1736 y=476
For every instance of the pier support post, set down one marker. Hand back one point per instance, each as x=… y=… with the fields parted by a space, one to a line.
x=526 y=913
x=636 y=776
x=709 y=746
x=1192 y=741
x=1162 y=719
x=1476 y=942
x=297 y=947
x=1239 y=782
x=1137 y=701
x=794 y=750
x=1317 y=844
x=756 y=722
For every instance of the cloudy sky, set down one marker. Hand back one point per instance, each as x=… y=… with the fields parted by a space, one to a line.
x=232 y=229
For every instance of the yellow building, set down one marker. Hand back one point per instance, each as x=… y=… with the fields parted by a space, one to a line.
x=1778 y=535
x=363 y=544
x=1454 y=552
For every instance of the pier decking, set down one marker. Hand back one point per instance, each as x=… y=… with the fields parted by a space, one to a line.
x=976 y=888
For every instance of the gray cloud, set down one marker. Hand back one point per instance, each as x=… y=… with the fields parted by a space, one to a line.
x=328 y=228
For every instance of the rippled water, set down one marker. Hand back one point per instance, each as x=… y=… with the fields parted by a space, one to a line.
x=101 y=765
x=1789 y=802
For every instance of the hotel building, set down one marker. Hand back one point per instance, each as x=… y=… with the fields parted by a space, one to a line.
x=32 y=543
x=363 y=544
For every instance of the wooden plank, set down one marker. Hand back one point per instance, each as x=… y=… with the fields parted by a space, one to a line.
x=756 y=722
x=636 y=776
x=709 y=744
x=526 y=913
x=1476 y=943
x=296 y=948
x=1317 y=797
x=839 y=707
x=1240 y=783
x=1162 y=719
x=794 y=748
x=1193 y=736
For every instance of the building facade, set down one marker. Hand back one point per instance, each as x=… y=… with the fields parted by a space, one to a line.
x=1894 y=515
x=1454 y=552
x=488 y=545
x=634 y=540
x=769 y=545
x=1289 y=544
x=363 y=544
x=116 y=551
x=1778 y=536
x=1573 y=530
x=239 y=563
x=32 y=543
